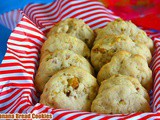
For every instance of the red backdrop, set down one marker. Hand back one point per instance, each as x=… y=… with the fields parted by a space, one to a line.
x=144 y=13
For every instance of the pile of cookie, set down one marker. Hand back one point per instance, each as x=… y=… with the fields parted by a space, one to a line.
x=120 y=54
x=65 y=76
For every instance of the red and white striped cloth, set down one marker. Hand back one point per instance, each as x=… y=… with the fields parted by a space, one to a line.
x=11 y=19
x=17 y=92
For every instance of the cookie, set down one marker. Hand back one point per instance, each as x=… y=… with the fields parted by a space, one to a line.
x=71 y=88
x=119 y=27
x=125 y=63
x=63 y=41
x=120 y=98
x=104 y=49
x=125 y=80
x=74 y=27
x=56 y=61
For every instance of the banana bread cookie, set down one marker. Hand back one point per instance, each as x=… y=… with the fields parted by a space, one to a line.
x=63 y=41
x=71 y=88
x=125 y=63
x=74 y=27
x=125 y=80
x=120 y=98
x=119 y=27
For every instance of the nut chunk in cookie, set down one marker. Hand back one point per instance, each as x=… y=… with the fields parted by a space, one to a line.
x=71 y=88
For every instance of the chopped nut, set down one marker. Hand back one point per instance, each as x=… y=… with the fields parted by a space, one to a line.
x=55 y=93
x=67 y=57
x=95 y=50
x=123 y=29
x=102 y=50
x=46 y=89
x=68 y=74
x=50 y=57
x=63 y=82
x=118 y=39
x=122 y=102
x=73 y=82
x=116 y=75
x=111 y=52
x=54 y=61
x=137 y=88
x=68 y=93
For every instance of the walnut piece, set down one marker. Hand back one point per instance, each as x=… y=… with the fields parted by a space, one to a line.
x=74 y=82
